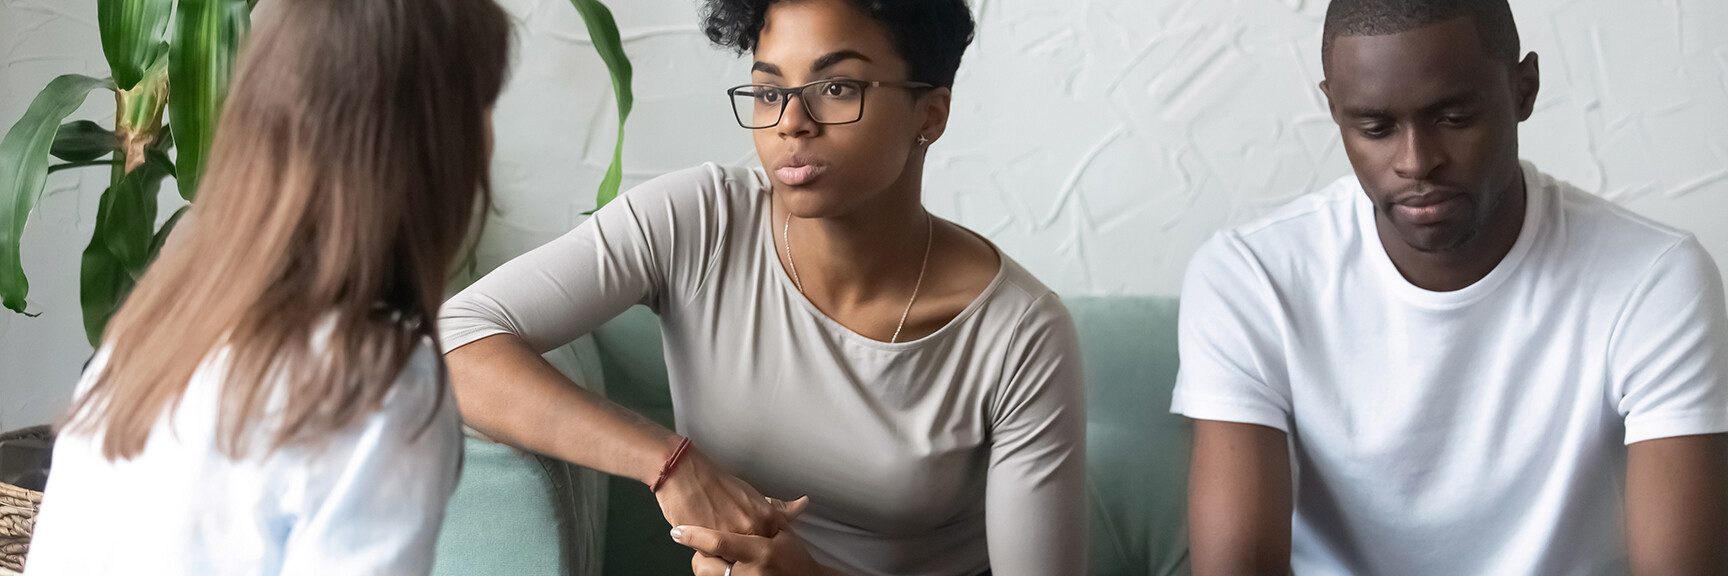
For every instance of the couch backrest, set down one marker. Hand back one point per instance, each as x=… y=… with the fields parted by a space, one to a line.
x=1137 y=452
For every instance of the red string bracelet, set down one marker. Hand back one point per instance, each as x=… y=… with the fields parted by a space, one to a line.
x=671 y=464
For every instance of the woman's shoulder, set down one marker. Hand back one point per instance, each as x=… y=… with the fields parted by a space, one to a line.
x=1040 y=306
x=416 y=424
x=703 y=183
x=420 y=388
x=703 y=198
x=1021 y=306
x=1023 y=293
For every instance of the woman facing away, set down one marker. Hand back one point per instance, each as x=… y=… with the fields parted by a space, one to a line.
x=825 y=335
x=270 y=399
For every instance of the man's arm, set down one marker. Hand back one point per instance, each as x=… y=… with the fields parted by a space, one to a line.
x=1239 y=500
x=1677 y=505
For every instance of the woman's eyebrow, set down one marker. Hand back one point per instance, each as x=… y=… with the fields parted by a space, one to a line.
x=832 y=58
x=765 y=68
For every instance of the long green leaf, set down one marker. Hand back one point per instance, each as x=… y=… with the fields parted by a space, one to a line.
x=122 y=245
x=207 y=35
x=24 y=169
x=130 y=229
x=111 y=163
x=604 y=31
x=83 y=141
x=103 y=282
x=167 y=230
x=132 y=34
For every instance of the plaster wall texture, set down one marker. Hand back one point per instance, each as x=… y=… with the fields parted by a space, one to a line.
x=1099 y=142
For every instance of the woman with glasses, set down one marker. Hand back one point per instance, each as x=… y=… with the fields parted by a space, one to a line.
x=825 y=335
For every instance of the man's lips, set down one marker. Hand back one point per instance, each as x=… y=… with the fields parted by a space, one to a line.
x=1428 y=208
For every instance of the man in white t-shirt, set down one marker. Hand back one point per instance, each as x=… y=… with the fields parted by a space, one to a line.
x=1477 y=369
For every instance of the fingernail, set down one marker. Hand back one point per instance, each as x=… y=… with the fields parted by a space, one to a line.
x=677 y=534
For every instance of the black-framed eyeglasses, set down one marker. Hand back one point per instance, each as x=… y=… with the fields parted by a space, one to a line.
x=829 y=102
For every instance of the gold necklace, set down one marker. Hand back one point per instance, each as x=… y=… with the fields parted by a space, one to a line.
x=929 y=238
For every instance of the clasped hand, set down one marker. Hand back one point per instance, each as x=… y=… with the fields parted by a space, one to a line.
x=733 y=528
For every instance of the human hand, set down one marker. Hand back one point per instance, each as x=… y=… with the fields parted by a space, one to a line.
x=728 y=554
x=700 y=493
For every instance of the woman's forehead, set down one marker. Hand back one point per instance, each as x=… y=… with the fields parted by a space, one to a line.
x=811 y=36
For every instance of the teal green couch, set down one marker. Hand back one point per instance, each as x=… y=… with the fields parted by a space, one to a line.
x=523 y=515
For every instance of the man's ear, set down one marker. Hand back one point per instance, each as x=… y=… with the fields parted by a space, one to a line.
x=1331 y=109
x=937 y=105
x=1526 y=82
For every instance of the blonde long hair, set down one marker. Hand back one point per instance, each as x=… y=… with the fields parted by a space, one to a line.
x=351 y=158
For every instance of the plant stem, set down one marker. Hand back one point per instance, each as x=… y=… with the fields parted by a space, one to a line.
x=84 y=164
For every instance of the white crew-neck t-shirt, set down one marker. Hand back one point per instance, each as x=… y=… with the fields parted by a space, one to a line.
x=942 y=456
x=1479 y=431
x=368 y=500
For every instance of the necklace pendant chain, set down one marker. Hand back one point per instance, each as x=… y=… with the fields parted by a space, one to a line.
x=786 y=236
x=929 y=239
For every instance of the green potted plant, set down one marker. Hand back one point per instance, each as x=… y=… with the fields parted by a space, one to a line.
x=175 y=68
x=170 y=63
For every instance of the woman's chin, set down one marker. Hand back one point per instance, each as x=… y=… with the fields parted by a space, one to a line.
x=811 y=201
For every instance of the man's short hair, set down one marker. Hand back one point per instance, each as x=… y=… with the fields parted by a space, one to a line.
x=1493 y=20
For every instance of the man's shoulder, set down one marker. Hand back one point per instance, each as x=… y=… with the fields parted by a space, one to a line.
x=1609 y=245
x=1314 y=230
x=1317 y=215
x=1606 y=229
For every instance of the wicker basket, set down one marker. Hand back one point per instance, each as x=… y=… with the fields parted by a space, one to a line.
x=18 y=510
x=17 y=518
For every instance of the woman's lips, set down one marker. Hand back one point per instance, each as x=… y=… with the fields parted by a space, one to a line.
x=799 y=175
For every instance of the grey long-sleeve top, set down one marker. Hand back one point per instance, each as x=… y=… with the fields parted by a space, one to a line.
x=942 y=456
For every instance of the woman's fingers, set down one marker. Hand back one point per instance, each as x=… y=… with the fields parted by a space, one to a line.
x=726 y=545
x=702 y=564
x=791 y=510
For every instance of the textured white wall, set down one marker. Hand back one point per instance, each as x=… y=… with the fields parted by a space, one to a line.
x=1099 y=142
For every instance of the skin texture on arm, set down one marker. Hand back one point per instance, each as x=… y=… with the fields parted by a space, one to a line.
x=1239 y=500
x=1677 y=505
x=511 y=394
x=514 y=396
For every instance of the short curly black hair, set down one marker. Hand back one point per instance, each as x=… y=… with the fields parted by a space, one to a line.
x=930 y=34
x=1493 y=20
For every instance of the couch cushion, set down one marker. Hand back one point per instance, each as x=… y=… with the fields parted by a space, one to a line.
x=631 y=357
x=521 y=514
x=503 y=518
x=1137 y=451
